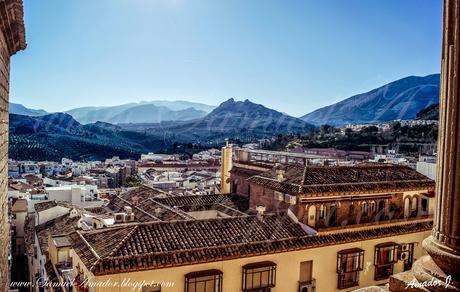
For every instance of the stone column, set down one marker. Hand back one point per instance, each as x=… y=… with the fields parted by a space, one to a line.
x=444 y=244
x=442 y=266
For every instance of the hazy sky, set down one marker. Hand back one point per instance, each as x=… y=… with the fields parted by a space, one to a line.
x=290 y=55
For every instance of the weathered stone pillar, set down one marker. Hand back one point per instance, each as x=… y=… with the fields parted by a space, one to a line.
x=441 y=269
x=444 y=244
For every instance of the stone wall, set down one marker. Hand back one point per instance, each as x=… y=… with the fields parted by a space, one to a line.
x=4 y=228
x=264 y=196
x=12 y=39
x=239 y=184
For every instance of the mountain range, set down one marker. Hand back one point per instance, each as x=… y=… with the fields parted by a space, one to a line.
x=19 y=109
x=429 y=113
x=134 y=128
x=401 y=99
x=142 y=112
x=53 y=136
x=242 y=120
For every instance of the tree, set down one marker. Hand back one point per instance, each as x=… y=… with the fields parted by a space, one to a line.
x=132 y=181
x=326 y=129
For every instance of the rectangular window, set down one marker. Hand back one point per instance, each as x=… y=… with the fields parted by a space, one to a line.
x=290 y=199
x=204 y=281
x=259 y=276
x=386 y=255
x=424 y=205
x=279 y=196
x=349 y=263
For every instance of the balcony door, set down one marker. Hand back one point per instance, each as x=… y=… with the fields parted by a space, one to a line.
x=306 y=271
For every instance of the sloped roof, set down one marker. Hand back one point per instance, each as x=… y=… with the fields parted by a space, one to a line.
x=244 y=172
x=19 y=206
x=148 y=205
x=166 y=244
x=58 y=226
x=317 y=180
x=42 y=206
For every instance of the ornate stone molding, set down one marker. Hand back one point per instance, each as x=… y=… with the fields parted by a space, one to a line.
x=12 y=25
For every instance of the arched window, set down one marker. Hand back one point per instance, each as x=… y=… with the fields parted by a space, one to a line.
x=407 y=207
x=322 y=212
x=373 y=206
x=364 y=208
x=414 y=203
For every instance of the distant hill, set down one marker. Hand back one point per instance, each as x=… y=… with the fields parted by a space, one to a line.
x=58 y=135
x=19 y=109
x=242 y=120
x=53 y=136
x=401 y=99
x=429 y=113
x=143 y=112
x=149 y=113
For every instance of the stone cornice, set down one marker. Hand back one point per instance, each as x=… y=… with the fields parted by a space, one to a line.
x=12 y=25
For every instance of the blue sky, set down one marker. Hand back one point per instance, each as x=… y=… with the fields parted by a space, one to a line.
x=291 y=55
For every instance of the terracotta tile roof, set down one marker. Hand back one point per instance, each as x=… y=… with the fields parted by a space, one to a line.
x=19 y=206
x=20 y=186
x=151 y=205
x=317 y=180
x=244 y=172
x=96 y=210
x=58 y=226
x=138 y=199
x=189 y=202
x=29 y=234
x=165 y=244
x=142 y=209
x=39 y=207
x=52 y=276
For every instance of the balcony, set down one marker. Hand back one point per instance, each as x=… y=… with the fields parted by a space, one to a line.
x=307 y=286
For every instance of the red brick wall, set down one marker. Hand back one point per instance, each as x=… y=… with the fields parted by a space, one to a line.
x=263 y=196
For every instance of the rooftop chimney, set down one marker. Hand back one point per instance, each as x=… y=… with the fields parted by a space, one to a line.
x=260 y=211
x=281 y=175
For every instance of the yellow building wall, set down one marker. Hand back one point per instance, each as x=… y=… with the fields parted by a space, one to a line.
x=287 y=273
x=226 y=166
x=57 y=254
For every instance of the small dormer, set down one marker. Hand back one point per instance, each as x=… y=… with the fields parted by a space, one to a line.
x=59 y=249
